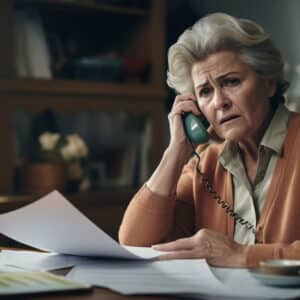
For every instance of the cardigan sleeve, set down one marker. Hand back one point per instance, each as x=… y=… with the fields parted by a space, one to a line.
x=151 y=218
x=259 y=252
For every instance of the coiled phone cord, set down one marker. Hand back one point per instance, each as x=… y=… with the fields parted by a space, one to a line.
x=223 y=203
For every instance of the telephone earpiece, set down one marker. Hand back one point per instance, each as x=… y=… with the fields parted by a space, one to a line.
x=195 y=128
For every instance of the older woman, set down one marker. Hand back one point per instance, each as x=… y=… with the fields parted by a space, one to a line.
x=240 y=204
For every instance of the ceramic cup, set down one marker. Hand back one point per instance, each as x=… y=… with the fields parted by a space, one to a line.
x=281 y=267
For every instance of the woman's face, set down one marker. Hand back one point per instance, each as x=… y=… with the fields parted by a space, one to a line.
x=232 y=97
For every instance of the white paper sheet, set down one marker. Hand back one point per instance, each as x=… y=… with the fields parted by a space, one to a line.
x=155 y=277
x=145 y=252
x=189 y=278
x=4 y=268
x=36 y=261
x=12 y=261
x=54 y=224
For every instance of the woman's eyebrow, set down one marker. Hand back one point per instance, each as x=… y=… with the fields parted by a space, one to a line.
x=218 y=78
x=201 y=85
x=222 y=76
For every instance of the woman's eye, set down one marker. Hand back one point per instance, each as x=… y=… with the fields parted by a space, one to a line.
x=205 y=92
x=232 y=81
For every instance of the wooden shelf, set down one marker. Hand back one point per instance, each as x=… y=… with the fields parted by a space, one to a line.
x=89 y=6
x=77 y=87
x=105 y=197
x=142 y=34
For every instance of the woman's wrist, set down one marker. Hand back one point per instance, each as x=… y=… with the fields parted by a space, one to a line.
x=180 y=154
x=176 y=158
x=165 y=178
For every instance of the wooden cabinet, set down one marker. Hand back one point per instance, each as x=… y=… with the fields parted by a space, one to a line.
x=138 y=31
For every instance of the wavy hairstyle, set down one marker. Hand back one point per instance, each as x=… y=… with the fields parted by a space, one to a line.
x=219 y=31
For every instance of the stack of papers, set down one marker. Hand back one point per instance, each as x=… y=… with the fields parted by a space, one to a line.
x=191 y=277
x=33 y=260
x=54 y=224
x=36 y=282
x=160 y=277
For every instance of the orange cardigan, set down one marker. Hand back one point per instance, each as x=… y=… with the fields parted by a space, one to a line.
x=151 y=218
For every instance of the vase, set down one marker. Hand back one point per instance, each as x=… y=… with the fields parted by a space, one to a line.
x=42 y=178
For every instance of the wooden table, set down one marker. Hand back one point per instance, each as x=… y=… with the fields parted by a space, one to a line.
x=95 y=294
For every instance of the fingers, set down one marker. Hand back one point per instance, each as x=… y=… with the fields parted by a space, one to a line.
x=217 y=248
x=181 y=244
x=183 y=107
x=184 y=103
x=184 y=97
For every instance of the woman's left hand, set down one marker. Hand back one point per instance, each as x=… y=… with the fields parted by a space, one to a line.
x=215 y=247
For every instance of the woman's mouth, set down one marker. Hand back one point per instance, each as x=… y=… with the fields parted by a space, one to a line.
x=228 y=119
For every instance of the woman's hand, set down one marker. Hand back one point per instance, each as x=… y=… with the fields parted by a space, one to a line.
x=164 y=179
x=216 y=248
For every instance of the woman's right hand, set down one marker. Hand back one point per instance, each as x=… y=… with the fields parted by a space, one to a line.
x=165 y=177
x=183 y=103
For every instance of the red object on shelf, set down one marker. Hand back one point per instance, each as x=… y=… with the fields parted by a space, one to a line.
x=135 y=68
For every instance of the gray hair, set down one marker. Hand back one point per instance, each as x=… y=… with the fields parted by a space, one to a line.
x=216 y=32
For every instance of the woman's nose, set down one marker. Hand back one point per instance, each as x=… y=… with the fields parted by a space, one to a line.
x=221 y=100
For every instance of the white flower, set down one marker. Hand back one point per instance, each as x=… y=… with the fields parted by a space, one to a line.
x=48 y=140
x=75 y=148
x=68 y=151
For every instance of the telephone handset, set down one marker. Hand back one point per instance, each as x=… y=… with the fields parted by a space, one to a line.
x=195 y=128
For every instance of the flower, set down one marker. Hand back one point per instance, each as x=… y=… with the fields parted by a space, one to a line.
x=75 y=148
x=57 y=148
x=69 y=150
x=49 y=140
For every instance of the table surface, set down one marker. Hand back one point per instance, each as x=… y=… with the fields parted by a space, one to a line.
x=93 y=294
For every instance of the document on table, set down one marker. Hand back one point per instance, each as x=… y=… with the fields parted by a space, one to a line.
x=36 y=282
x=192 y=278
x=12 y=261
x=155 y=277
x=53 y=224
x=35 y=261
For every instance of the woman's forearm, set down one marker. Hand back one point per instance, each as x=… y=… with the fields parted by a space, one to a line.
x=165 y=178
x=149 y=218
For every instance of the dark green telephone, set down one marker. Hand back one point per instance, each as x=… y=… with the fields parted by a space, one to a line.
x=195 y=128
